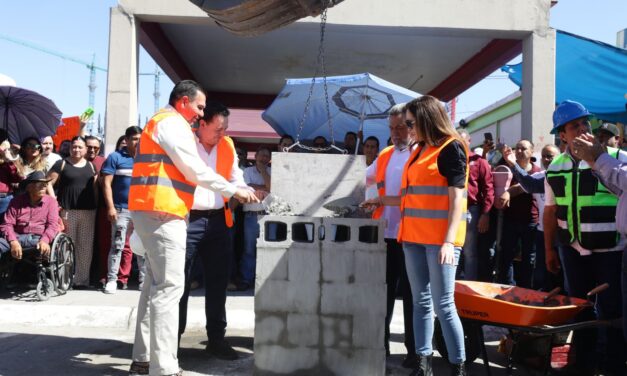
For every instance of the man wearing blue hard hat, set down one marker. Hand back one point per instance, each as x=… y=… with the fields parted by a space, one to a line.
x=580 y=213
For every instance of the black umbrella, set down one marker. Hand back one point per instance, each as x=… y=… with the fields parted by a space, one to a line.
x=25 y=113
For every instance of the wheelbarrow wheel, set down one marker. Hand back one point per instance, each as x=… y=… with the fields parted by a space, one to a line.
x=471 y=340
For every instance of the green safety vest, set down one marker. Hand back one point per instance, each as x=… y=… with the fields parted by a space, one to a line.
x=586 y=210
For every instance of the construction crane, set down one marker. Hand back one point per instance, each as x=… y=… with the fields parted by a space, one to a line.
x=92 y=71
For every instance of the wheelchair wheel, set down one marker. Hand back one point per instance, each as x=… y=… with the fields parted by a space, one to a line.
x=63 y=254
x=44 y=289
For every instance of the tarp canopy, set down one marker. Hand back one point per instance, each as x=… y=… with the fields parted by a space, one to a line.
x=587 y=71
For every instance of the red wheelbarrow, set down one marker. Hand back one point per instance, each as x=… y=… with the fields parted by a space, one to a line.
x=547 y=318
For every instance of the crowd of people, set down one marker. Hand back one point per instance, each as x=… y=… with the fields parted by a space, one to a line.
x=194 y=200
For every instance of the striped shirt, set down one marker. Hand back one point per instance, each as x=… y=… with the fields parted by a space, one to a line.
x=120 y=165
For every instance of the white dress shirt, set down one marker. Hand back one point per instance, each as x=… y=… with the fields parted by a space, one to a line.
x=393 y=176
x=206 y=199
x=175 y=136
x=253 y=176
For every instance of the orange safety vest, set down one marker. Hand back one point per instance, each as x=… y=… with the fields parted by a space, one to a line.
x=156 y=183
x=425 y=202
x=224 y=166
x=382 y=164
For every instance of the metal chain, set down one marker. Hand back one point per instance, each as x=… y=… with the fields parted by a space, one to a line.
x=319 y=64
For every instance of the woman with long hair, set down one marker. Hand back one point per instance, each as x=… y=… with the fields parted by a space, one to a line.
x=433 y=227
x=30 y=157
x=75 y=178
x=9 y=176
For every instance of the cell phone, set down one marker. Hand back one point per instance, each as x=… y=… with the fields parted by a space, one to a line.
x=488 y=136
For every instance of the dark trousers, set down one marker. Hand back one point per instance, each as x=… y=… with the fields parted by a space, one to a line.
x=397 y=283
x=209 y=241
x=582 y=274
x=513 y=235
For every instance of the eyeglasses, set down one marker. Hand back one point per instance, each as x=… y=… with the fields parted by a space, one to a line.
x=410 y=123
x=34 y=146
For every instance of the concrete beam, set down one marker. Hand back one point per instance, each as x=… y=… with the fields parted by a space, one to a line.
x=456 y=16
x=121 y=109
x=538 y=87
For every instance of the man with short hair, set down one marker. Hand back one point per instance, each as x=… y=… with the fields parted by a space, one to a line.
x=166 y=170
x=371 y=149
x=285 y=142
x=580 y=212
x=480 y=200
x=608 y=135
x=350 y=142
x=320 y=142
x=92 y=147
x=386 y=173
x=116 y=172
x=520 y=221
x=209 y=234
x=256 y=176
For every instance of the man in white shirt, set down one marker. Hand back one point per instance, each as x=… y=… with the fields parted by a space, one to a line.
x=166 y=170
x=257 y=177
x=385 y=174
x=46 y=151
x=209 y=233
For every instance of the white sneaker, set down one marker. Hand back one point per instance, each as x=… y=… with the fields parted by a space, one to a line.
x=111 y=287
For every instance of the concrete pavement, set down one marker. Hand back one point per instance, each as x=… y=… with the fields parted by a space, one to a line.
x=91 y=333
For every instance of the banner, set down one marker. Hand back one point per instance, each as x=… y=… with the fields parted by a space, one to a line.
x=68 y=130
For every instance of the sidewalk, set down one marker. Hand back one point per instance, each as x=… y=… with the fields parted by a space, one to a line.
x=95 y=309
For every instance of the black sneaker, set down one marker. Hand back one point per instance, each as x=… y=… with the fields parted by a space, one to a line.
x=139 y=368
x=410 y=361
x=221 y=349
x=122 y=286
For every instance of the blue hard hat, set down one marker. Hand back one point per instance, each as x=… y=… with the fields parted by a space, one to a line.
x=567 y=111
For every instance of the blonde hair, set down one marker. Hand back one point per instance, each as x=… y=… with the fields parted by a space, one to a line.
x=432 y=122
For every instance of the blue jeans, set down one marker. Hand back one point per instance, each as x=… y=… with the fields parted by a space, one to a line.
x=513 y=234
x=582 y=274
x=25 y=240
x=248 y=260
x=120 y=230
x=433 y=286
x=4 y=205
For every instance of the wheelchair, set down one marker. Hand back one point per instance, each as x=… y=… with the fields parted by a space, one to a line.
x=54 y=273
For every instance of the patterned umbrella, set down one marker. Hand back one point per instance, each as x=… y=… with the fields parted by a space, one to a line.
x=25 y=113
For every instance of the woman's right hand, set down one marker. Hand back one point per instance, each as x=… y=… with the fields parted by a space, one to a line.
x=113 y=215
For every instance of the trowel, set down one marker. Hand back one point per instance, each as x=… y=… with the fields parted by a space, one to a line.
x=346 y=207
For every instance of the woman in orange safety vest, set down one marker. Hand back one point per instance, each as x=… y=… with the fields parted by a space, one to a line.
x=433 y=227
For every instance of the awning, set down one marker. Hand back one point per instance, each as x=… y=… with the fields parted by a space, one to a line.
x=587 y=71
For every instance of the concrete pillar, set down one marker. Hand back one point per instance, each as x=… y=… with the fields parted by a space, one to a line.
x=538 y=87
x=121 y=76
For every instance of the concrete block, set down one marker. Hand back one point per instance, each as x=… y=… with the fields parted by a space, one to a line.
x=370 y=267
x=347 y=299
x=354 y=362
x=271 y=296
x=271 y=264
x=341 y=176
x=269 y=328
x=263 y=243
x=303 y=297
x=303 y=264
x=338 y=265
x=277 y=360
x=337 y=331
x=303 y=330
x=368 y=330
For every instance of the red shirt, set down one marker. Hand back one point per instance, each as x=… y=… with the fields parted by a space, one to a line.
x=8 y=176
x=22 y=218
x=98 y=161
x=480 y=183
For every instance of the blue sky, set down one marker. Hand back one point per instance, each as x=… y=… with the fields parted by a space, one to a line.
x=80 y=28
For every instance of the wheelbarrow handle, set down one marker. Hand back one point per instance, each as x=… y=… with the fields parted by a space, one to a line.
x=598 y=289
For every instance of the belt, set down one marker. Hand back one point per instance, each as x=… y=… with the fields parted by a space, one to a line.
x=256 y=211
x=206 y=213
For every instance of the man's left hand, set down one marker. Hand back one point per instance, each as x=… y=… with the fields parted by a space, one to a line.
x=503 y=201
x=586 y=147
x=261 y=194
x=483 y=225
x=44 y=248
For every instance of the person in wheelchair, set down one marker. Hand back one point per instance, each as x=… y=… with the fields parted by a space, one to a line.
x=32 y=219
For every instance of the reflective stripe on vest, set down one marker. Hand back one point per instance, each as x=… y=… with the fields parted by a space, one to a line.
x=425 y=200
x=382 y=164
x=156 y=184
x=586 y=210
x=224 y=167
